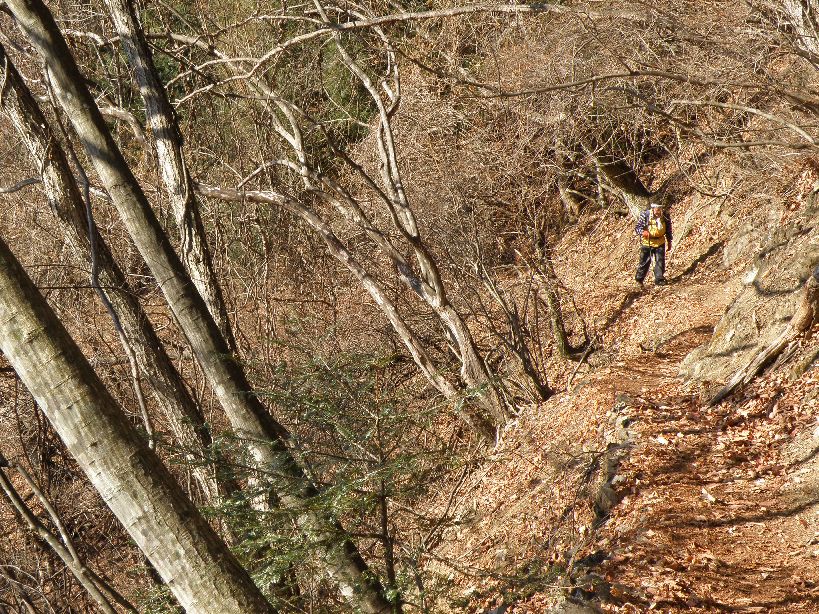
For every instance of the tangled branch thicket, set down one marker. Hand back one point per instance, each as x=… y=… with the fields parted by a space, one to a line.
x=381 y=187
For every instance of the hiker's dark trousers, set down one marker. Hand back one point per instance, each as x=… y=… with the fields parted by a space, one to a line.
x=646 y=254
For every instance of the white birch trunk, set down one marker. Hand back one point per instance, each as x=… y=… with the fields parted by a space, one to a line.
x=168 y=144
x=172 y=395
x=481 y=423
x=197 y=566
x=265 y=437
x=803 y=16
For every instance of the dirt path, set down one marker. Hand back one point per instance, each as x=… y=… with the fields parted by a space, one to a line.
x=720 y=508
x=717 y=506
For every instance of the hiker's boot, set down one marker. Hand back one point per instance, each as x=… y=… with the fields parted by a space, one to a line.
x=661 y=282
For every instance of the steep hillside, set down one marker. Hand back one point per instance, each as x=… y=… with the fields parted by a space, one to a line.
x=360 y=276
x=626 y=490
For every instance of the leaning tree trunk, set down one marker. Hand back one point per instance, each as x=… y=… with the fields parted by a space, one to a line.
x=265 y=437
x=191 y=559
x=477 y=420
x=548 y=287
x=168 y=144
x=626 y=181
x=622 y=177
x=170 y=391
x=488 y=412
x=803 y=17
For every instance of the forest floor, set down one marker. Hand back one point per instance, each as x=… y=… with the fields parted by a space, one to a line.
x=712 y=509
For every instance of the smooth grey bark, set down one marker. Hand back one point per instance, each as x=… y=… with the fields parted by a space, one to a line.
x=265 y=438
x=164 y=127
x=170 y=391
x=196 y=565
x=474 y=373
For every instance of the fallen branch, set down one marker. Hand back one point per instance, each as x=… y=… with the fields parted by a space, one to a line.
x=801 y=321
x=20 y=185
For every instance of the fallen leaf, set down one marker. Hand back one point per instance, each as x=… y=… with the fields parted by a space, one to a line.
x=708 y=496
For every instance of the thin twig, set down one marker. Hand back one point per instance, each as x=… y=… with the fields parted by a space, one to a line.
x=20 y=185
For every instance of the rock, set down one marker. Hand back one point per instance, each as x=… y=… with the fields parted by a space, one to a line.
x=588 y=588
x=622 y=400
x=621 y=409
x=571 y=607
x=622 y=435
x=803 y=365
x=764 y=306
x=802 y=447
x=607 y=496
x=619 y=442
x=606 y=499
x=592 y=560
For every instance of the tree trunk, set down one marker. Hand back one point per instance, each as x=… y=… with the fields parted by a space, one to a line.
x=169 y=389
x=265 y=437
x=62 y=546
x=548 y=286
x=474 y=372
x=803 y=16
x=623 y=178
x=482 y=424
x=197 y=566
x=168 y=143
x=570 y=199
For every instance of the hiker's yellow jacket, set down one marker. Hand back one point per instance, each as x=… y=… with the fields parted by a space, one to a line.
x=659 y=229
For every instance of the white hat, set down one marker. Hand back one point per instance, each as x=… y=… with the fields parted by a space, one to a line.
x=656 y=206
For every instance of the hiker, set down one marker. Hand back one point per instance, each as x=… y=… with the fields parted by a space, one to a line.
x=654 y=229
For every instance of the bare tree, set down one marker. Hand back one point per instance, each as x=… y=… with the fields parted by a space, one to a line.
x=799 y=20
x=482 y=424
x=265 y=438
x=72 y=211
x=60 y=542
x=174 y=170
x=410 y=258
x=202 y=573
